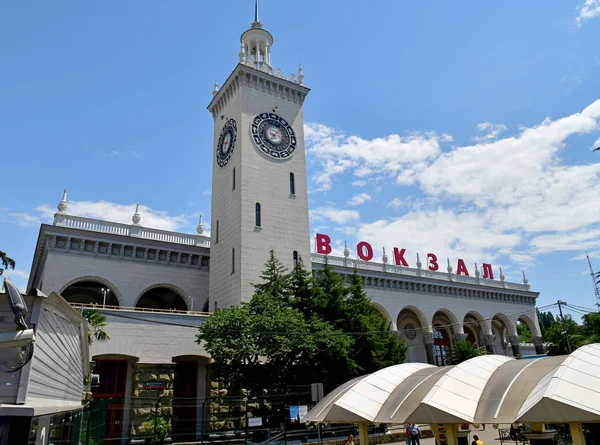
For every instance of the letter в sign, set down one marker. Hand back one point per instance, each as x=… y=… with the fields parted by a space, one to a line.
x=487 y=271
x=399 y=257
x=461 y=269
x=432 y=261
x=361 y=254
x=323 y=244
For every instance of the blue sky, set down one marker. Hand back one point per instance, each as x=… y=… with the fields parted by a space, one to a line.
x=459 y=128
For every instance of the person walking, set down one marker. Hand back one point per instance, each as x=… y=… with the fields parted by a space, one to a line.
x=476 y=440
x=407 y=434
x=415 y=434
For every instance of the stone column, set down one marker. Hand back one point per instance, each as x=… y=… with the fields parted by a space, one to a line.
x=489 y=340
x=428 y=342
x=539 y=347
x=577 y=433
x=151 y=392
x=457 y=338
x=515 y=342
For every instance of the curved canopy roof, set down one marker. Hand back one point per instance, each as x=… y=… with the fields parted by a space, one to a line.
x=486 y=389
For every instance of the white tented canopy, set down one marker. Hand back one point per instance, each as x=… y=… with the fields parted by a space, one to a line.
x=486 y=389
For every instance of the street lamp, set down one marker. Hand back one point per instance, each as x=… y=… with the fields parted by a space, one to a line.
x=105 y=291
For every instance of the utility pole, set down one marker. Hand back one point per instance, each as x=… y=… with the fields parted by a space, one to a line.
x=596 y=290
x=562 y=319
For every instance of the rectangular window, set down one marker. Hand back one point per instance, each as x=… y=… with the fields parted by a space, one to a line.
x=217 y=232
x=232 y=261
x=257 y=215
x=233 y=188
x=295 y=258
x=292 y=184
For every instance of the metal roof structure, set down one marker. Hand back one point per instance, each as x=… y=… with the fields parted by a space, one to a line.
x=485 y=389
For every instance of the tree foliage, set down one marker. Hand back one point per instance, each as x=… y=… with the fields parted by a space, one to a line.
x=6 y=261
x=465 y=350
x=556 y=340
x=96 y=323
x=298 y=329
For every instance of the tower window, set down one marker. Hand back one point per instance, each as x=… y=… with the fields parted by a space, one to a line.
x=233 y=179
x=296 y=260
x=233 y=260
x=257 y=214
x=292 y=184
x=217 y=233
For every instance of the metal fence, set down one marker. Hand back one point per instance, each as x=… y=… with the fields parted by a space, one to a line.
x=240 y=419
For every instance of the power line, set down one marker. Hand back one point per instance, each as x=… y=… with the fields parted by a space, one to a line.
x=594 y=281
x=562 y=319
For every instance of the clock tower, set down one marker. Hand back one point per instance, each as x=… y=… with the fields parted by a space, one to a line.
x=259 y=190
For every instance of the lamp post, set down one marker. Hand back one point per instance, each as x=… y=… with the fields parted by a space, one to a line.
x=105 y=291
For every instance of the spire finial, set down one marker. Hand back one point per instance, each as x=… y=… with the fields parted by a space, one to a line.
x=449 y=266
x=525 y=280
x=62 y=205
x=477 y=273
x=419 y=264
x=501 y=274
x=384 y=257
x=216 y=87
x=200 y=227
x=300 y=75
x=346 y=250
x=256 y=23
x=136 y=216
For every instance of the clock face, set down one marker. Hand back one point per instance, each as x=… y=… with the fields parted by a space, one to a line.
x=273 y=135
x=226 y=142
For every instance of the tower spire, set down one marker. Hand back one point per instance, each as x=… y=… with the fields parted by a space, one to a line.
x=256 y=23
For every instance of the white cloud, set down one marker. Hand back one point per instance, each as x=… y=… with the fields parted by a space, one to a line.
x=17 y=273
x=359 y=199
x=508 y=197
x=590 y=9
x=396 y=203
x=110 y=211
x=336 y=153
x=338 y=216
x=491 y=131
x=359 y=183
x=596 y=144
x=25 y=219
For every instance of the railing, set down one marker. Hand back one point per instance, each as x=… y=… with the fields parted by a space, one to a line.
x=136 y=309
x=96 y=225
x=412 y=272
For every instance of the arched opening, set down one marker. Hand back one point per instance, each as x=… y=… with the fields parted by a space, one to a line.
x=90 y=292
x=473 y=326
x=502 y=328
x=526 y=329
x=411 y=324
x=161 y=298
x=444 y=325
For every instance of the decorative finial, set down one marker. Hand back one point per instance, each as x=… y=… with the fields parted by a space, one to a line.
x=501 y=274
x=242 y=54
x=136 y=216
x=62 y=205
x=215 y=88
x=300 y=75
x=525 y=280
x=419 y=264
x=384 y=257
x=256 y=23
x=477 y=273
x=200 y=227
x=449 y=266
x=346 y=250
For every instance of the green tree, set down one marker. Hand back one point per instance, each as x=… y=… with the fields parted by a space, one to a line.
x=555 y=337
x=524 y=332
x=591 y=327
x=376 y=346
x=465 y=350
x=96 y=323
x=546 y=320
x=6 y=261
x=275 y=279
